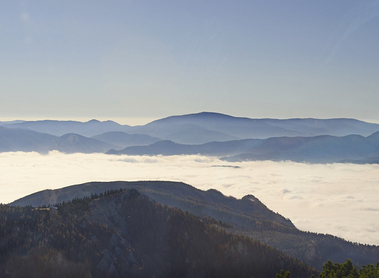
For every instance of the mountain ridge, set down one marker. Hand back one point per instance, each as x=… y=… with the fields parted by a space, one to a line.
x=216 y=126
x=15 y=139
x=317 y=149
x=58 y=128
x=209 y=133
x=123 y=233
x=123 y=139
x=246 y=216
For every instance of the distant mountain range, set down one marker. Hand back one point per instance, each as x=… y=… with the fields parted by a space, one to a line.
x=213 y=148
x=233 y=138
x=24 y=140
x=225 y=128
x=59 y=128
x=318 y=149
x=122 y=139
x=207 y=127
x=246 y=216
x=14 y=139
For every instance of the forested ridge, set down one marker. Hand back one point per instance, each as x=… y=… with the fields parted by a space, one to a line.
x=247 y=216
x=126 y=233
x=342 y=270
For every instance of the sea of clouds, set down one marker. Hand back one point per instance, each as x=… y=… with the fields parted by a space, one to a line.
x=338 y=199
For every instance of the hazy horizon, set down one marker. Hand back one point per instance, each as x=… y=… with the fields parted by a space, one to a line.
x=142 y=121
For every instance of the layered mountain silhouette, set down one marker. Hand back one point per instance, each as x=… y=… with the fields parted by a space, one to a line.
x=123 y=139
x=12 y=139
x=246 y=128
x=206 y=127
x=318 y=149
x=59 y=128
x=10 y=122
x=171 y=148
x=233 y=138
x=182 y=132
x=246 y=216
x=74 y=143
x=24 y=140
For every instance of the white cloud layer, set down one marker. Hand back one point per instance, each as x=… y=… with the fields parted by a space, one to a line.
x=339 y=199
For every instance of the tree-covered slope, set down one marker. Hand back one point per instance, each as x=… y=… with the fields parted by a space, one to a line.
x=126 y=234
x=246 y=216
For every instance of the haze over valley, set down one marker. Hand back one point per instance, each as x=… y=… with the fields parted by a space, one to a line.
x=340 y=199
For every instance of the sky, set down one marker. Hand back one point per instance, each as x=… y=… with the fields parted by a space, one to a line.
x=151 y=59
x=338 y=199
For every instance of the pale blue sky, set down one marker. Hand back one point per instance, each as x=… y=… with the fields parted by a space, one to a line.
x=126 y=59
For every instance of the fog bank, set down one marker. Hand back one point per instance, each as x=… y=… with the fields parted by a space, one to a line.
x=340 y=199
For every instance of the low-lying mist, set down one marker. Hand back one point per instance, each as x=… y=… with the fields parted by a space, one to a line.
x=339 y=199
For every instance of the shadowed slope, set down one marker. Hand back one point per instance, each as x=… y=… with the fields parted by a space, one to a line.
x=126 y=234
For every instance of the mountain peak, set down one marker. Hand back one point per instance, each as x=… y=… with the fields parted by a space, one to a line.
x=93 y=121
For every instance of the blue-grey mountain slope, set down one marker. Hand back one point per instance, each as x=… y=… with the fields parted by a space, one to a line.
x=368 y=160
x=213 y=148
x=245 y=128
x=124 y=139
x=13 y=139
x=219 y=127
x=10 y=122
x=75 y=143
x=246 y=216
x=318 y=149
x=310 y=140
x=206 y=127
x=182 y=132
x=59 y=128
x=335 y=127
x=373 y=158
